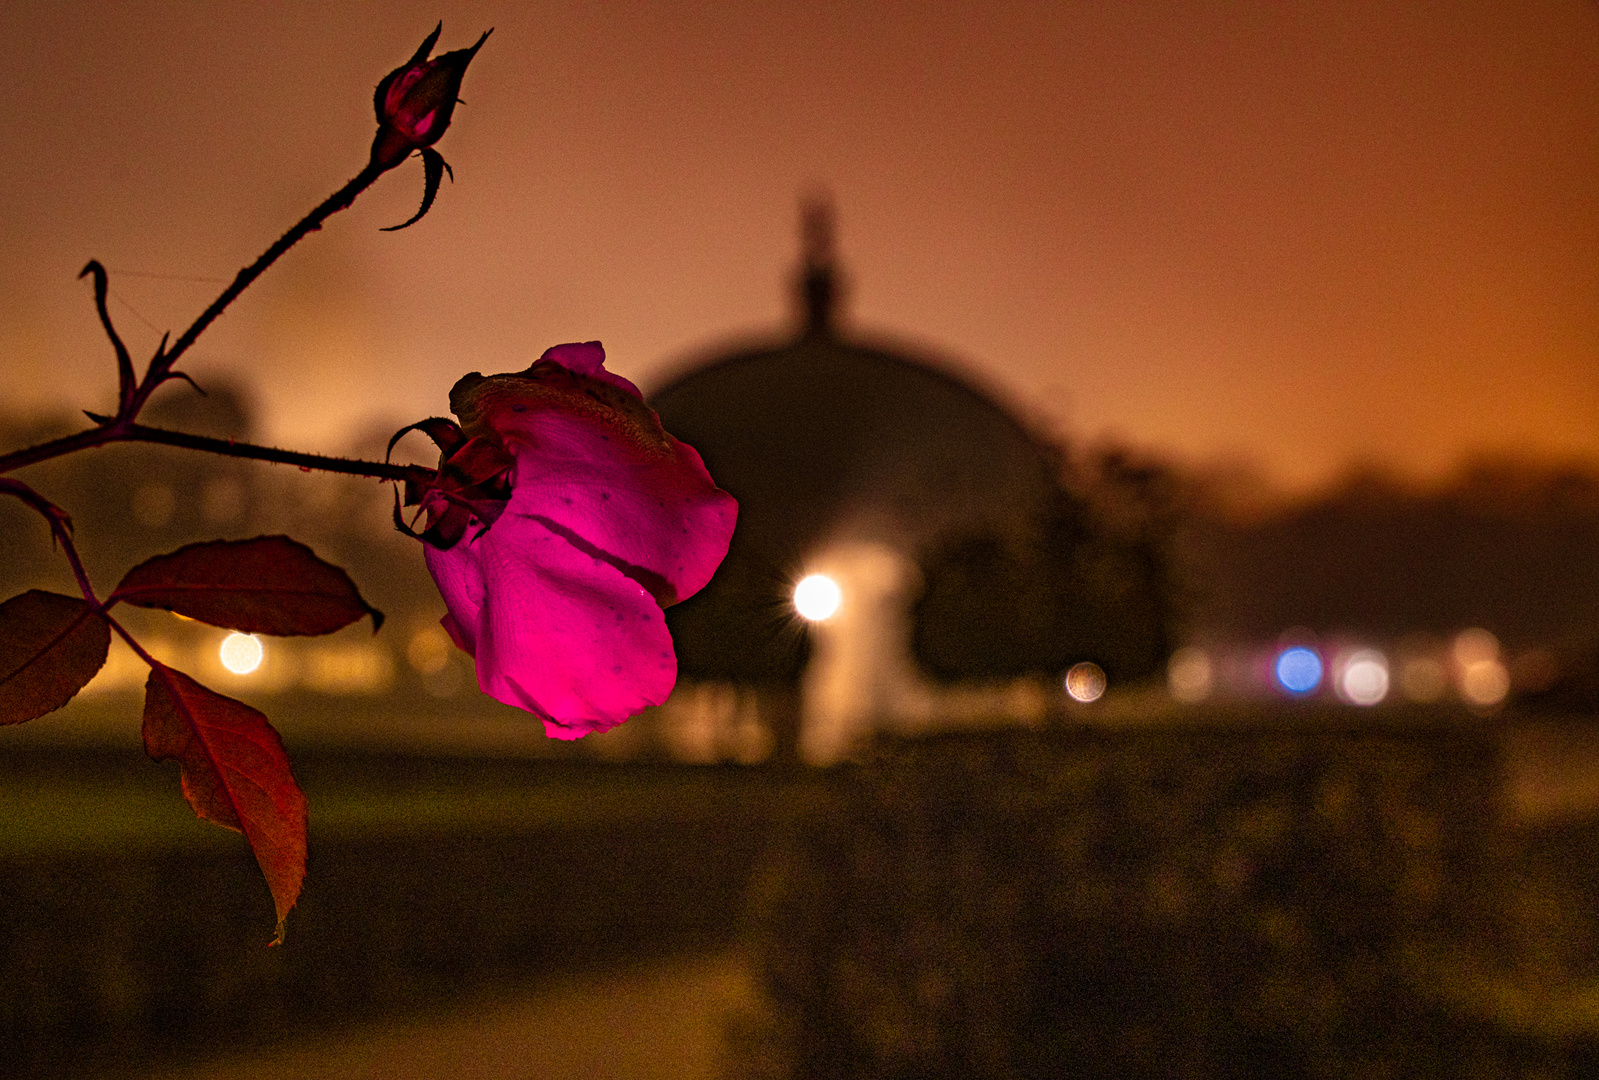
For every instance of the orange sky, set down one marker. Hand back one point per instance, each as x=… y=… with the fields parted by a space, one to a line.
x=1301 y=234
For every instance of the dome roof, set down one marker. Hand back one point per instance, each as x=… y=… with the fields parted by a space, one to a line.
x=823 y=438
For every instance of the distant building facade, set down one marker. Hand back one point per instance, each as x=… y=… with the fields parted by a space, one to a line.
x=852 y=459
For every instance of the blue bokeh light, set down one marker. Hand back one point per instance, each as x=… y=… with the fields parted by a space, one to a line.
x=1298 y=670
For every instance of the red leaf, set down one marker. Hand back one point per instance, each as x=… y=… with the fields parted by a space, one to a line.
x=268 y=585
x=235 y=773
x=50 y=645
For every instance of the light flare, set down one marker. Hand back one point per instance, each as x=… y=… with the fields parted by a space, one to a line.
x=817 y=598
x=241 y=653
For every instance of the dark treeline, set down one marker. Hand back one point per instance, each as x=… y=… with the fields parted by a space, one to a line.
x=1134 y=556
x=1094 y=578
x=1506 y=545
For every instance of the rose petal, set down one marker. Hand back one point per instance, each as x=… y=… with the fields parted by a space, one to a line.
x=609 y=519
x=460 y=582
x=664 y=523
x=593 y=463
x=588 y=358
x=555 y=630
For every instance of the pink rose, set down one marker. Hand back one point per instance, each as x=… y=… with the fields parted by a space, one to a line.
x=563 y=521
x=414 y=102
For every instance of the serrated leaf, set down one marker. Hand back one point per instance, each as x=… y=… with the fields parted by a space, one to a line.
x=433 y=169
x=268 y=585
x=235 y=773
x=50 y=646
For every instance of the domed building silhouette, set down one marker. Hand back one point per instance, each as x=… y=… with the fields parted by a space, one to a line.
x=847 y=456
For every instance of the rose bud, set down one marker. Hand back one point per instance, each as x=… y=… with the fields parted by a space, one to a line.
x=415 y=100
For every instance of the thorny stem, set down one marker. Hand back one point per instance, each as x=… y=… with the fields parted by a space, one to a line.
x=83 y=440
x=138 y=649
x=60 y=529
x=115 y=432
x=122 y=427
x=310 y=223
x=381 y=470
x=70 y=549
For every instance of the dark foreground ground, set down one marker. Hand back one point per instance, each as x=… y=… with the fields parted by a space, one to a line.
x=135 y=934
x=660 y=1018
x=1299 y=893
x=1277 y=895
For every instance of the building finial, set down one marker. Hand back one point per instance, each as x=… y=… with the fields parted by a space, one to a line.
x=818 y=281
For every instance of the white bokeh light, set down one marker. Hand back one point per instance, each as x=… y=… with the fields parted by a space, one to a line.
x=817 y=597
x=241 y=653
x=1364 y=678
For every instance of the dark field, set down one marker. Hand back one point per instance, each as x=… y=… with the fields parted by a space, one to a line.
x=137 y=934
x=1263 y=895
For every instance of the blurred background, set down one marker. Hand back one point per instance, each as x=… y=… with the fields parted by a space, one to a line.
x=1160 y=638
